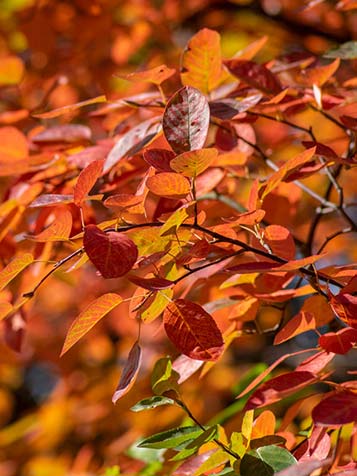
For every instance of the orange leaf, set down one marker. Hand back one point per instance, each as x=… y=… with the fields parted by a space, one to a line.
x=113 y=254
x=320 y=74
x=18 y=264
x=301 y=322
x=192 y=330
x=129 y=374
x=252 y=49
x=86 y=180
x=264 y=425
x=339 y=342
x=70 y=108
x=201 y=63
x=292 y=164
x=280 y=241
x=194 y=162
x=89 y=318
x=155 y=75
x=169 y=185
x=58 y=230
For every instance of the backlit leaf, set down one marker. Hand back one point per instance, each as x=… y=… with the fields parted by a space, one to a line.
x=339 y=342
x=201 y=62
x=193 y=163
x=291 y=165
x=345 y=307
x=129 y=373
x=13 y=145
x=155 y=75
x=171 y=438
x=186 y=120
x=86 y=180
x=279 y=387
x=18 y=264
x=59 y=229
x=152 y=402
x=254 y=74
x=89 y=318
x=336 y=409
x=316 y=362
x=164 y=378
x=319 y=74
x=264 y=425
x=192 y=330
x=70 y=108
x=169 y=185
x=301 y=322
x=113 y=254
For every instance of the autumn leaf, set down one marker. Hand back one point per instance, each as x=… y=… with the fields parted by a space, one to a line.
x=86 y=180
x=129 y=373
x=59 y=229
x=70 y=108
x=18 y=264
x=113 y=254
x=67 y=133
x=201 y=62
x=11 y=70
x=339 y=342
x=156 y=75
x=186 y=120
x=338 y=408
x=192 y=330
x=89 y=318
x=169 y=185
x=159 y=158
x=194 y=162
x=254 y=74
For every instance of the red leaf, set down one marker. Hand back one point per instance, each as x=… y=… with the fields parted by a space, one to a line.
x=169 y=185
x=86 y=180
x=89 y=318
x=152 y=284
x=113 y=254
x=317 y=446
x=18 y=264
x=279 y=387
x=345 y=307
x=14 y=331
x=337 y=409
x=193 y=331
x=186 y=120
x=339 y=342
x=159 y=158
x=305 y=468
x=129 y=374
x=316 y=362
x=349 y=121
x=228 y=108
x=254 y=74
x=67 y=133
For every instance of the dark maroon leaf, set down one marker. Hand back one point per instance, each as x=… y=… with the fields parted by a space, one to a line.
x=113 y=254
x=152 y=284
x=159 y=158
x=254 y=74
x=228 y=108
x=337 y=409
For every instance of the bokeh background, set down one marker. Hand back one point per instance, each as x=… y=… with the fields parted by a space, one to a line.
x=56 y=415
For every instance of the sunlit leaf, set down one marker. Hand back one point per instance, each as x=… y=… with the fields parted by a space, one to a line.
x=301 y=322
x=193 y=163
x=193 y=330
x=171 y=438
x=129 y=373
x=169 y=185
x=18 y=264
x=164 y=378
x=319 y=75
x=186 y=120
x=70 y=108
x=59 y=229
x=152 y=284
x=152 y=402
x=201 y=62
x=280 y=387
x=155 y=75
x=88 y=318
x=266 y=461
x=339 y=342
x=67 y=133
x=86 y=180
x=113 y=254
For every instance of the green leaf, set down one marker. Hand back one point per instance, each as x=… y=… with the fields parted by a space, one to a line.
x=347 y=50
x=215 y=460
x=171 y=438
x=266 y=461
x=152 y=402
x=164 y=378
x=195 y=444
